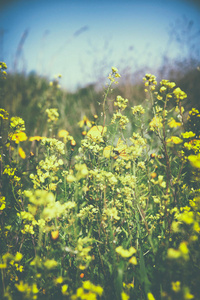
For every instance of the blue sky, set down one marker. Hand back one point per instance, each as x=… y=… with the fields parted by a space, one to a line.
x=82 y=40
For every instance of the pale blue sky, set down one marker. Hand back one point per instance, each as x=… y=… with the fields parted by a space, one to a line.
x=82 y=40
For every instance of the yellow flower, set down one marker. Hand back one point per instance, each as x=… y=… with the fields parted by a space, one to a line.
x=35 y=138
x=96 y=133
x=179 y=94
x=188 y=134
x=150 y=296
x=176 y=286
x=22 y=154
x=124 y=296
x=156 y=123
x=3 y=114
x=18 y=256
x=64 y=289
x=19 y=137
x=50 y=264
x=85 y=121
x=121 y=149
x=133 y=260
x=107 y=151
x=194 y=160
x=63 y=133
x=173 y=124
x=125 y=253
x=175 y=140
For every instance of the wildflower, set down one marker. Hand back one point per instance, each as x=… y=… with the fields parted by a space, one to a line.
x=107 y=151
x=120 y=149
x=17 y=124
x=175 y=140
x=96 y=133
x=194 y=160
x=35 y=138
x=59 y=280
x=22 y=154
x=64 y=289
x=73 y=143
x=124 y=296
x=2 y=202
x=153 y=175
x=179 y=94
x=137 y=109
x=50 y=264
x=55 y=235
x=81 y=275
x=19 y=137
x=52 y=114
x=63 y=133
x=3 y=114
x=156 y=123
x=18 y=256
x=112 y=213
x=173 y=124
x=176 y=286
x=187 y=294
x=84 y=133
x=123 y=120
x=188 y=134
x=121 y=103
x=133 y=260
x=125 y=253
x=85 y=121
x=150 y=296
x=70 y=178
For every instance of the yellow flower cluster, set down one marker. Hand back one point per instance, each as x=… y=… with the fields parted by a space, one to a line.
x=3 y=114
x=88 y=291
x=52 y=114
x=121 y=103
x=138 y=109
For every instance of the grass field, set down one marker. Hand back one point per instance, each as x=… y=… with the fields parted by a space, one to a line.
x=99 y=194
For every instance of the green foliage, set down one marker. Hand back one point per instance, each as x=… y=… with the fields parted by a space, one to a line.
x=110 y=213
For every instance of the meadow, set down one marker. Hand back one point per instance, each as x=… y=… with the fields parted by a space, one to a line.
x=103 y=205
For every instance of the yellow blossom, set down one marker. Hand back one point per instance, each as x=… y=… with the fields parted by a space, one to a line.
x=173 y=124
x=96 y=133
x=85 y=121
x=176 y=286
x=150 y=296
x=125 y=253
x=63 y=133
x=35 y=138
x=19 y=137
x=107 y=151
x=175 y=140
x=22 y=154
x=156 y=123
x=124 y=296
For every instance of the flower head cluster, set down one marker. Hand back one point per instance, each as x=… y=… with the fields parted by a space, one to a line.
x=150 y=80
x=112 y=76
x=3 y=114
x=52 y=114
x=85 y=122
x=17 y=124
x=121 y=103
x=156 y=123
x=138 y=109
x=53 y=145
x=179 y=94
x=121 y=119
x=3 y=67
